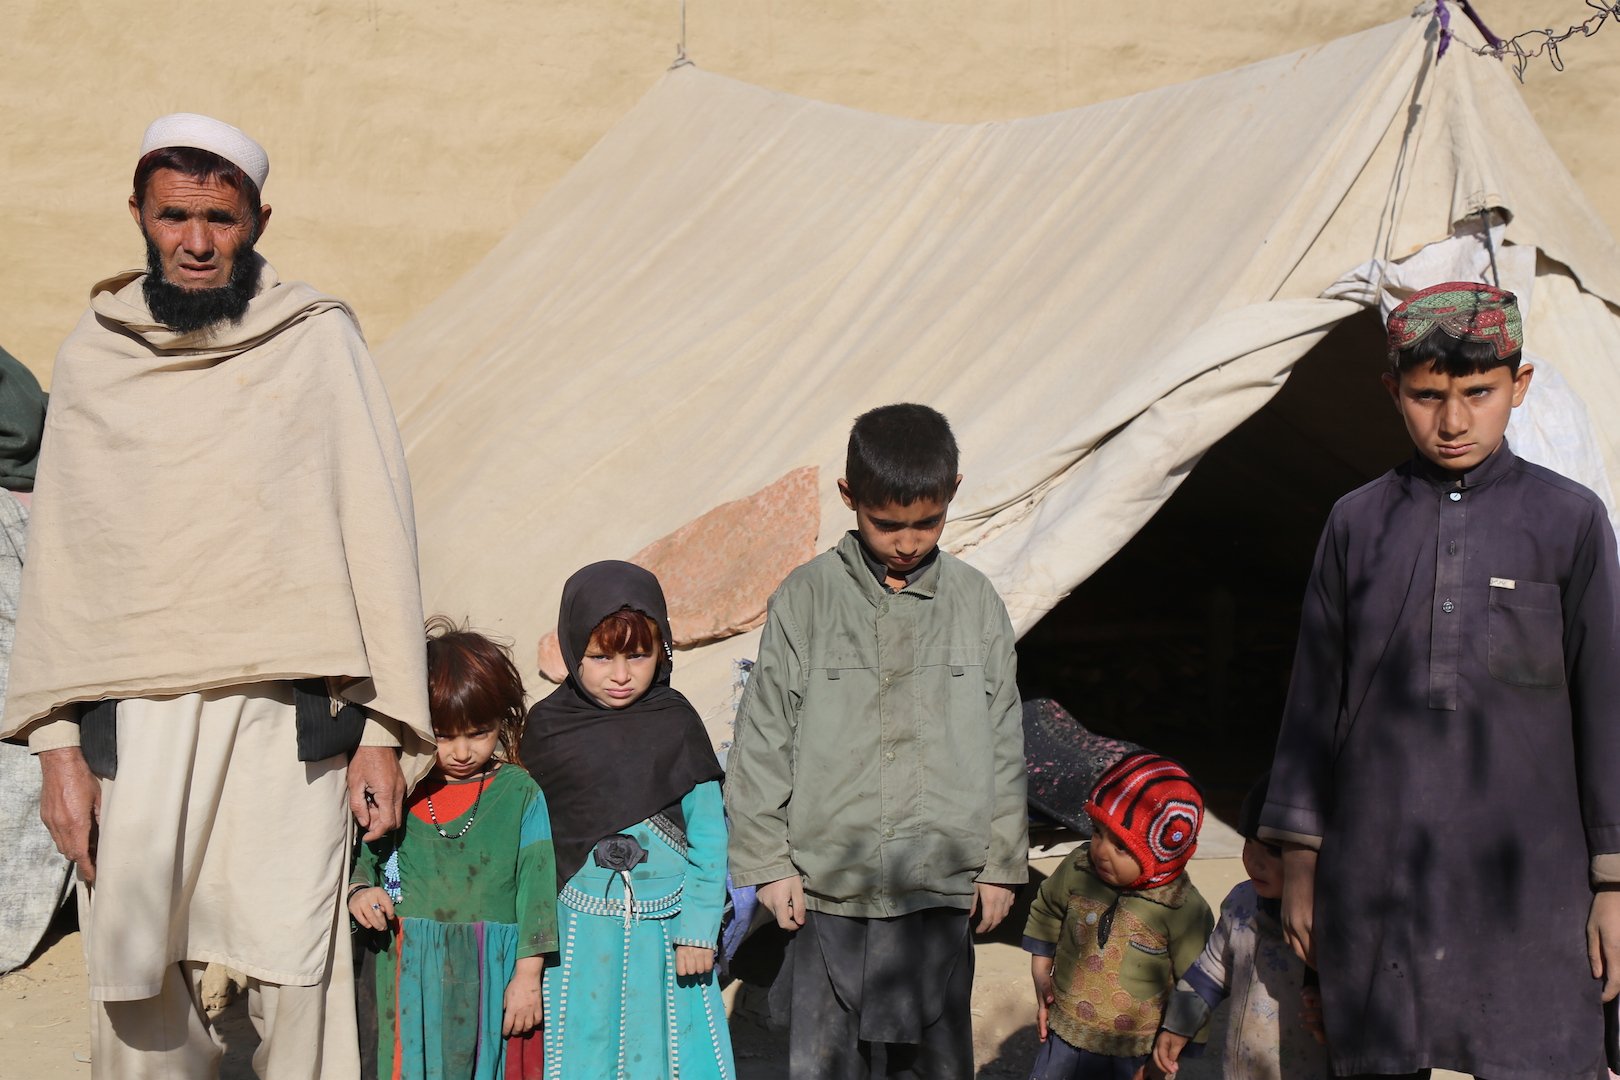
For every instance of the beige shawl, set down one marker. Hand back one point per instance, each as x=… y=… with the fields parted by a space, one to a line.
x=221 y=507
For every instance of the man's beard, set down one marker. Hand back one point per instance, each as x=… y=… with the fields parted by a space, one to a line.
x=187 y=310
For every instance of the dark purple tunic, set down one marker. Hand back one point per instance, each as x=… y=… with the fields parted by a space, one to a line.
x=1452 y=735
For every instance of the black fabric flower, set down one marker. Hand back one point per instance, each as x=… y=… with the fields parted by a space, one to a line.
x=619 y=853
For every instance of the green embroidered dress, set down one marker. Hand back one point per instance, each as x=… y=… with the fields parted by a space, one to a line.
x=467 y=909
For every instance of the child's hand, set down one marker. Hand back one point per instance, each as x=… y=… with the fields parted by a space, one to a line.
x=991 y=903
x=1040 y=969
x=784 y=898
x=371 y=908
x=1167 y=1048
x=693 y=960
x=1311 y=1014
x=1603 y=940
x=522 y=1005
x=1299 y=900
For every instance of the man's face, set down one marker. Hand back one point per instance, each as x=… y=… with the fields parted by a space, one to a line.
x=198 y=227
x=898 y=535
x=1457 y=421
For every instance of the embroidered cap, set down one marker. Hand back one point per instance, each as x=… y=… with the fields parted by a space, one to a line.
x=1152 y=805
x=215 y=136
x=1464 y=309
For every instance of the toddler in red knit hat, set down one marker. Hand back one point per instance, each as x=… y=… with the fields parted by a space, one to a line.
x=1112 y=930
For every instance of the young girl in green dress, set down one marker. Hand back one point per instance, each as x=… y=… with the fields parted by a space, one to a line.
x=641 y=845
x=466 y=891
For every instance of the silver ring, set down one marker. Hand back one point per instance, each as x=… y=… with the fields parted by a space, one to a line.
x=376 y=907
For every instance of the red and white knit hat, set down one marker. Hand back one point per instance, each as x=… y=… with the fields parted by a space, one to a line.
x=1151 y=804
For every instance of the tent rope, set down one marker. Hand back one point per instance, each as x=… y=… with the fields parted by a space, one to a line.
x=1490 y=247
x=1529 y=45
x=681 y=59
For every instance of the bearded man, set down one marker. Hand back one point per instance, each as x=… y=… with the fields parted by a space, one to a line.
x=219 y=652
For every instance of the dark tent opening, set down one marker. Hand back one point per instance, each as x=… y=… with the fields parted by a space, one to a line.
x=1183 y=641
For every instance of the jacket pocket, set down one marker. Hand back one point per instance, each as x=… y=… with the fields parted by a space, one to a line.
x=1525 y=627
x=958 y=760
x=959 y=671
x=1144 y=968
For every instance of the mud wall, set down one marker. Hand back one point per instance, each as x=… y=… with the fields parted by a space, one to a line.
x=406 y=136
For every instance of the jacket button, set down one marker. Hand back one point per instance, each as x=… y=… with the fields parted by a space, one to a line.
x=1447 y=606
x=889 y=832
x=1456 y=496
x=888 y=755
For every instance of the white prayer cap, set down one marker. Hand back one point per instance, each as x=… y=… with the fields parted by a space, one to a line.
x=217 y=137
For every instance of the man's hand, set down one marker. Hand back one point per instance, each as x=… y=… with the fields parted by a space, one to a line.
x=693 y=960
x=70 y=807
x=1299 y=900
x=371 y=908
x=1040 y=969
x=784 y=898
x=1167 y=1048
x=376 y=790
x=991 y=903
x=1603 y=940
x=522 y=1006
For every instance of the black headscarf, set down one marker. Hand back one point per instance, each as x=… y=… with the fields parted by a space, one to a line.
x=603 y=770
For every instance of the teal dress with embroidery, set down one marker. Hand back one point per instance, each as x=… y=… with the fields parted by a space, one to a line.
x=613 y=1004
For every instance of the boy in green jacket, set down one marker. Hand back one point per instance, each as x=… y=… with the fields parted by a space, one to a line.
x=876 y=784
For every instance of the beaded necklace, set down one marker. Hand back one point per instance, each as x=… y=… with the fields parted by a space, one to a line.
x=483 y=780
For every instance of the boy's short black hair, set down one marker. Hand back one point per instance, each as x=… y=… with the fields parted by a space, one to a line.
x=899 y=454
x=1453 y=356
x=1255 y=801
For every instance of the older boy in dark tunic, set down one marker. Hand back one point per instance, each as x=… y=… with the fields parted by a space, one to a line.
x=1445 y=779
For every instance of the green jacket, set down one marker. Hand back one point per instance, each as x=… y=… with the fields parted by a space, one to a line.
x=1110 y=995
x=879 y=751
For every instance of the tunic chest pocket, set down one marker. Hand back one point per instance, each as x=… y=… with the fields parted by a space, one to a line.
x=1525 y=627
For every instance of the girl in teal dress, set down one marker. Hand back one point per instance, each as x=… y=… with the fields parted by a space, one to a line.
x=634 y=790
x=465 y=892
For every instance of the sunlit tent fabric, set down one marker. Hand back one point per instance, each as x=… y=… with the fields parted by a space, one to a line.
x=1093 y=297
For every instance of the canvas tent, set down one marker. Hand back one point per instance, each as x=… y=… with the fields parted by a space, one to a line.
x=1094 y=297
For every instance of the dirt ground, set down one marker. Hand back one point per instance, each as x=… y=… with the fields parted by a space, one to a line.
x=44 y=1034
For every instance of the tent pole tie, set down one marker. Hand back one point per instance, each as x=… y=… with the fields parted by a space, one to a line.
x=1443 y=14
x=681 y=59
x=1479 y=24
x=1490 y=248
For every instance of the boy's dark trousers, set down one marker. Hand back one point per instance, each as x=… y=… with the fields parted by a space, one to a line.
x=905 y=983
